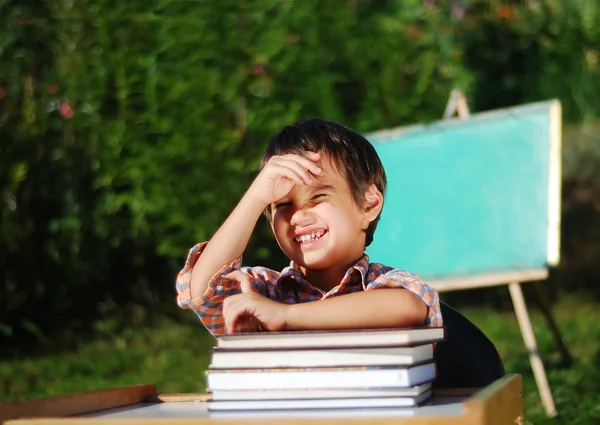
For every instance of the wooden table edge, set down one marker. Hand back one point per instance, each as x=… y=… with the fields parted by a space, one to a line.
x=498 y=403
x=62 y=406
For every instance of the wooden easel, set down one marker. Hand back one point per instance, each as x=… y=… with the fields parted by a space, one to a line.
x=457 y=105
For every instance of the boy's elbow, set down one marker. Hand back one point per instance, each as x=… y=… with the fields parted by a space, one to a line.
x=413 y=311
x=198 y=283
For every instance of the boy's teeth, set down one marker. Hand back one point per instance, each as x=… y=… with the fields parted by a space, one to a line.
x=309 y=238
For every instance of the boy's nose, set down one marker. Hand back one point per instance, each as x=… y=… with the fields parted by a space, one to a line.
x=301 y=217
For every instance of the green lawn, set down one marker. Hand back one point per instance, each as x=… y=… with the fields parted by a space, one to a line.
x=576 y=389
x=174 y=356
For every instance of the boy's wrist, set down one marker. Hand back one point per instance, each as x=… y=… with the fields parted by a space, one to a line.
x=291 y=317
x=252 y=203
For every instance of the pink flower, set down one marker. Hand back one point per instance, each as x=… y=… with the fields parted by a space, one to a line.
x=65 y=109
x=260 y=69
x=459 y=10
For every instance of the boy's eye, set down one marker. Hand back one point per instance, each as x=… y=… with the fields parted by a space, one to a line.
x=320 y=195
x=282 y=204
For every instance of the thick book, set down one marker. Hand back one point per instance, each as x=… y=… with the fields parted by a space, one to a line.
x=333 y=338
x=231 y=358
x=315 y=403
x=318 y=378
x=309 y=393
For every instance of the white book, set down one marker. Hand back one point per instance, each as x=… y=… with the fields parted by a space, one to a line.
x=229 y=395
x=376 y=356
x=319 y=378
x=334 y=338
x=315 y=403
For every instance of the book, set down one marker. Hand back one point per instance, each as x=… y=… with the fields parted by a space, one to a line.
x=319 y=378
x=307 y=393
x=336 y=338
x=316 y=403
x=231 y=358
x=336 y=416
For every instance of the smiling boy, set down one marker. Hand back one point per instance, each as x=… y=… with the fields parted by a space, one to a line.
x=321 y=186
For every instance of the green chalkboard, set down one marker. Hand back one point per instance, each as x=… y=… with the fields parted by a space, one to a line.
x=473 y=196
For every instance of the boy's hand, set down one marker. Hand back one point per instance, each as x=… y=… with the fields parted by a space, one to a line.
x=250 y=311
x=281 y=173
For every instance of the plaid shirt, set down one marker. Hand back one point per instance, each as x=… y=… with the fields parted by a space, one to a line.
x=290 y=287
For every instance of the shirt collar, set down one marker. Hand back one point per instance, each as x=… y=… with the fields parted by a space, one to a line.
x=362 y=266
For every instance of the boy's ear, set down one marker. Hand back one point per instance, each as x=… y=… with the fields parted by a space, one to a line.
x=373 y=203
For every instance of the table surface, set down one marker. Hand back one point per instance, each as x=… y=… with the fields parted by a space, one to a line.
x=437 y=406
x=498 y=403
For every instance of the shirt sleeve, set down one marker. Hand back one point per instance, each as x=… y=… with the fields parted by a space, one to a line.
x=209 y=306
x=396 y=278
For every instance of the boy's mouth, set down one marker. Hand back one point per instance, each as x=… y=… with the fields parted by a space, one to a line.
x=310 y=237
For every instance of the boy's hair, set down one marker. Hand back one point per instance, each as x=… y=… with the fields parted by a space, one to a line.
x=352 y=154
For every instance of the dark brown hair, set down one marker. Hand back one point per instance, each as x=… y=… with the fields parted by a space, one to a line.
x=353 y=155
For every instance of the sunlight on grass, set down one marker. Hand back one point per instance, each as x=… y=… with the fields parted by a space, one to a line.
x=174 y=356
x=576 y=389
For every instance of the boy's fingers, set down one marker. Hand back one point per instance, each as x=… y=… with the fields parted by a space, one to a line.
x=302 y=165
x=296 y=167
x=308 y=164
x=246 y=285
x=291 y=174
x=244 y=280
x=237 y=317
x=231 y=315
x=312 y=166
x=247 y=323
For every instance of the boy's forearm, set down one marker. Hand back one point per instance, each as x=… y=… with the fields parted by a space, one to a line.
x=379 y=308
x=227 y=244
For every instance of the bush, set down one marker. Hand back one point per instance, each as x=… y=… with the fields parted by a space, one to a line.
x=129 y=130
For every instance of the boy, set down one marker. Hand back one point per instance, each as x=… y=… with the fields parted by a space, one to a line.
x=321 y=187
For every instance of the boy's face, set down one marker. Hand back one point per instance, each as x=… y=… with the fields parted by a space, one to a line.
x=320 y=226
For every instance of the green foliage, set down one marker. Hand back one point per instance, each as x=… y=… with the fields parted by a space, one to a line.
x=157 y=117
x=114 y=358
x=130 y=129
x=522 y=53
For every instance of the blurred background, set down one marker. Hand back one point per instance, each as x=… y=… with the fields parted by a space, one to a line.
x=129 y=130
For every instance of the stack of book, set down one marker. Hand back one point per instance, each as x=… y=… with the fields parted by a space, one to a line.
x=371 y=368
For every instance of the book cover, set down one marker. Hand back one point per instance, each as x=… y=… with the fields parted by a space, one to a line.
x=332 y=338
x=318 y=378
x=325 y=393
x=315 y=403
x=223 y=358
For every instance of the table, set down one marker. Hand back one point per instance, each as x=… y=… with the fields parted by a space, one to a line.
x=496 y=404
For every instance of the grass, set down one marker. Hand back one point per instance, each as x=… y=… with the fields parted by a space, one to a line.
x=575 y=389
x=174 y=356
x=171 y=355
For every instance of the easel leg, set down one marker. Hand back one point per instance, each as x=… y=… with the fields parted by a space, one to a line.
x=546 y=309
x=530 y=343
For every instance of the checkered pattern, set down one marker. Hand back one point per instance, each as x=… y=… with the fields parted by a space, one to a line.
x=289 y=287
